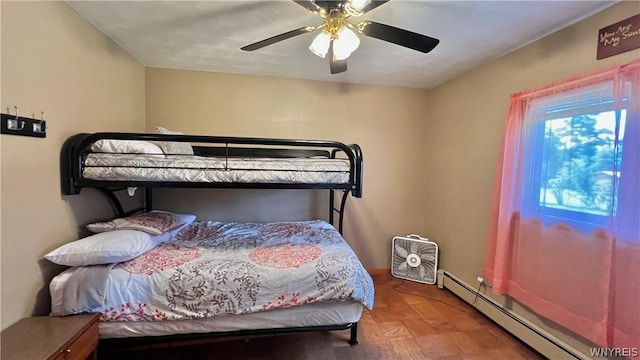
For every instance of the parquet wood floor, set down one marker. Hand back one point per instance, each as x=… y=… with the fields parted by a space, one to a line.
x=409 y=321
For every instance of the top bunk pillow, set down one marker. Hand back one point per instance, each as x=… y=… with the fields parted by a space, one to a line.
x=154 y=222
x=174 y=147
x=126 y=147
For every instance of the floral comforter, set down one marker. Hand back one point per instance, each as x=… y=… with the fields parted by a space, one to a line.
x=214 y=269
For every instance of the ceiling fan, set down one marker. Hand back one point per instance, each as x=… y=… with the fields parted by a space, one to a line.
x=339 y=37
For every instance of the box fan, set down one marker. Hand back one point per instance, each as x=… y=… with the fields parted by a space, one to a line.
x=414 y=258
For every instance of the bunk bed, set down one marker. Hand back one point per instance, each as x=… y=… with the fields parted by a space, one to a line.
x=114 y=162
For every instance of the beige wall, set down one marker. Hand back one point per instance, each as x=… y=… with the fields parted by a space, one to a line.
x=53 y=61
x=468 y=116
x=414 y=142
x=387 y=122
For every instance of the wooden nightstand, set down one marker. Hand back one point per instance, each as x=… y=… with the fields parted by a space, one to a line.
x=51 y=338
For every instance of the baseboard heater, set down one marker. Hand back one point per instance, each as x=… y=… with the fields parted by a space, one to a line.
x=557 y=348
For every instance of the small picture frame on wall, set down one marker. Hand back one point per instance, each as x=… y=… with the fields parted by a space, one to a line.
x=620 y=37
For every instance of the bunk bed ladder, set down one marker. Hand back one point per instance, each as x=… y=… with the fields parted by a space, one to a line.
x=333 y=209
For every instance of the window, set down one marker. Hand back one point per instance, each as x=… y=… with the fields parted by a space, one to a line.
x=565 y=213
x=573 y=151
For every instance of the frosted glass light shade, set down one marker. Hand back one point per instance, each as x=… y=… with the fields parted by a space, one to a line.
x=320 y=45
x=346 y=43
x=359 y=4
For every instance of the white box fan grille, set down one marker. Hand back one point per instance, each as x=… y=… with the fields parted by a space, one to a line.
x=414 y=258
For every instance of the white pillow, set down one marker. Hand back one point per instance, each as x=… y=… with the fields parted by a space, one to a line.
x=126 y=147
x=174 y=147
x=106 y=248
x=154 y=222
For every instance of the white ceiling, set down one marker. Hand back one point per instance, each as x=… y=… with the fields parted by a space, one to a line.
x=208 y=35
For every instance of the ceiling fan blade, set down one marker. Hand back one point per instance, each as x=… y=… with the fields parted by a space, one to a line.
x=336 y=66
x=311 y=6
x=372 y=5
x=277 y=38
x=398 y=36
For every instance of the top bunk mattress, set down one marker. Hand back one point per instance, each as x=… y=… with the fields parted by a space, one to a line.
x=148 y=167
x=121 y=160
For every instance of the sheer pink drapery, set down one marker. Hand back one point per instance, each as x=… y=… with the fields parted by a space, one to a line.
x=588 y=281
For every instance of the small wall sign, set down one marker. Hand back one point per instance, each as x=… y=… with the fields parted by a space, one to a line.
x=619 y=37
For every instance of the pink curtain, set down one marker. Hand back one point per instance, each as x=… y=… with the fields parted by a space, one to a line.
x=585 y=278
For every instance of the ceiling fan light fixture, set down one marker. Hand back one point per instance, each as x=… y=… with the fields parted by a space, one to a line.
x=339 y=37
x=359 y=4
x=320 y=45
x=339 y=52
x=346 y=43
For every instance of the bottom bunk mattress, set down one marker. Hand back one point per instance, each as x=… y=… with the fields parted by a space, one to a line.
x=303 y=316
x=214 y=276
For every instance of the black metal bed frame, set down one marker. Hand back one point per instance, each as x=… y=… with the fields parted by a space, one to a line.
x=77 y=146
x=115 y=344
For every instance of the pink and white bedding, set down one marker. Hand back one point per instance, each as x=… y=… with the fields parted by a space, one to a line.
x=213 y=269
x=108 y=166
